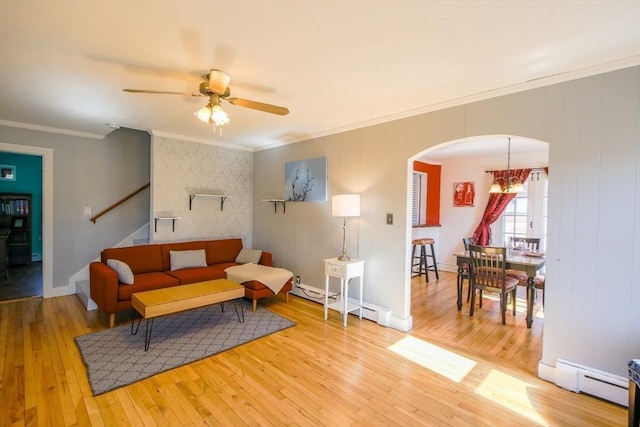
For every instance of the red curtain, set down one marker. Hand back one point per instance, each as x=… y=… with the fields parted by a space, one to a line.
x=497 y=204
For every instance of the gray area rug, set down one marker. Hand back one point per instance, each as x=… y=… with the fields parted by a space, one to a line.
x=115 y=358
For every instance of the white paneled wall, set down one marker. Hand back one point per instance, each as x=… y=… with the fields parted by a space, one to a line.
x=593 y=267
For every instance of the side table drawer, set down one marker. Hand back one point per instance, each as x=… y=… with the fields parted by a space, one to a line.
x=335 y=270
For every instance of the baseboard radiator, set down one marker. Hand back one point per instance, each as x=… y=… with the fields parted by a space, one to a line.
x=583 y=379
x=380 y=315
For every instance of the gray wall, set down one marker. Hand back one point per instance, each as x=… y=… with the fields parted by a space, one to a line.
x=593 y=271
x=94 y=173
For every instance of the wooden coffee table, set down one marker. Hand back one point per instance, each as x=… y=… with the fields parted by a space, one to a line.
x=160 y=302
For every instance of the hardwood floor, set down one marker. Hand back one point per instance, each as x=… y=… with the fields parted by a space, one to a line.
x=24 y=281
x=434 y=320
x=449 y=370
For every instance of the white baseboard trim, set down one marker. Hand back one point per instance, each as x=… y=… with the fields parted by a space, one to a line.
x=381 y=315
x=83 y=293
x=60 y=291
x=403 y=325
x=583 y=379
x=80 y=275
x=451 y=268
x=546 y=372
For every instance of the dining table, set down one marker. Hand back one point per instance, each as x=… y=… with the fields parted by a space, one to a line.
x=529 y=262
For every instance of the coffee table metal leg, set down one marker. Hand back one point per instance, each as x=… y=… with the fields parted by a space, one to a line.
x=133 y=321
x=147 y=335
x=241 y=313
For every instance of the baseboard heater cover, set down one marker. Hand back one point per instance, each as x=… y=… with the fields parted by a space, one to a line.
x=583 y=379
x=380 y=315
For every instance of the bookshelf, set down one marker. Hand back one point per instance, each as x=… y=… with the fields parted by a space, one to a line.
x=15 y=220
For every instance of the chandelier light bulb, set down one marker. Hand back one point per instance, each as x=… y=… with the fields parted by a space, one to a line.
x=495 y=188
x=517 y=187
x=510 y=187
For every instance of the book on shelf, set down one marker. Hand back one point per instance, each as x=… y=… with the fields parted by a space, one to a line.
x=14 y=207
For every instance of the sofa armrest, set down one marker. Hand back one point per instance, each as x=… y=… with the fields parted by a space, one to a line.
x=266 y=259
x=103 y=284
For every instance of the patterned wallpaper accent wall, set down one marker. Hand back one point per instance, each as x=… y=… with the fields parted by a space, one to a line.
x=180 y=168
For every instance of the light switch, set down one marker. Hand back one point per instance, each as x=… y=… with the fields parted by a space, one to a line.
x=389 y=219
x=87 y=211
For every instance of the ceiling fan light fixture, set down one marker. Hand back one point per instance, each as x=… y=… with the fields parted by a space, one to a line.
x=204 y=113
x=218 y=81
x=216 y=87
x=219 y=116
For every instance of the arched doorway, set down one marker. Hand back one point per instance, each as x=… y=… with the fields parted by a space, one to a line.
x=465 y=161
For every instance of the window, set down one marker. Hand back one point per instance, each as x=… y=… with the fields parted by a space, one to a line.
x=419 y=196
x=526 y=214
x=515 y=216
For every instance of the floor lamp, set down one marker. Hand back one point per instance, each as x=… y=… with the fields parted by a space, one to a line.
x=345 y=205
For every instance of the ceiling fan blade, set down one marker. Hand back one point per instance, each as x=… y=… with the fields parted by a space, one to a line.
x=267 y=108
x=161 y=92
x=218 y=81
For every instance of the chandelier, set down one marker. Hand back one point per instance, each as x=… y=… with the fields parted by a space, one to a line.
x=511 y=185
x=213 y=113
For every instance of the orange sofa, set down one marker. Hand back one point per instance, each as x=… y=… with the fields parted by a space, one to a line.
x=151 y=268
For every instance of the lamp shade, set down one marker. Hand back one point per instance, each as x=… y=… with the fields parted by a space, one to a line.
x=345 y=205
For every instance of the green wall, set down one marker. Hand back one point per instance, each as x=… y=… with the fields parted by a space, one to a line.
x=28 y=180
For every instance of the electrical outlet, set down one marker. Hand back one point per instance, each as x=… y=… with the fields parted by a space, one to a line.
x=87 y=211
x=389 y=219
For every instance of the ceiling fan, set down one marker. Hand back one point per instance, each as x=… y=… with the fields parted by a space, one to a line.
x=216 y=87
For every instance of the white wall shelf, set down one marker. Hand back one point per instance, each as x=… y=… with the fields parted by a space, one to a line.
x=275 y=202
x=222 y=198
x=173 y=220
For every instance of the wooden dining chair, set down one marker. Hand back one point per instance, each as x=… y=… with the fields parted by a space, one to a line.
x=466 y=241
x=531 y=244
x=487 y=273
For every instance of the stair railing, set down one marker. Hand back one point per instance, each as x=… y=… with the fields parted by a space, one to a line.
x=118 y=203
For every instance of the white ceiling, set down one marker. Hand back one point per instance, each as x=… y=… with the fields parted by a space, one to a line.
x=336 y=65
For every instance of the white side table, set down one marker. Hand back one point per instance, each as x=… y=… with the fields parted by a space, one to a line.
x=343 y=270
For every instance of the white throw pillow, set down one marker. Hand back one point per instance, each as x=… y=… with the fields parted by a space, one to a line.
x=187 y=259
x=125 y=275
x=247 y=256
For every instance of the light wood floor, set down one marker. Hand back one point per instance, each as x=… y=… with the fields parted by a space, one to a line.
x=449 y=370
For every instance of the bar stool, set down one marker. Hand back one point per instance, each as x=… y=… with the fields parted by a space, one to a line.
x=423 y=264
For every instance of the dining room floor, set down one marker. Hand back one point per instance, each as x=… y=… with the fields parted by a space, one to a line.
x=436 y=318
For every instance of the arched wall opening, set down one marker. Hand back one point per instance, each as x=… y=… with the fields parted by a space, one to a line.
x=465 y=160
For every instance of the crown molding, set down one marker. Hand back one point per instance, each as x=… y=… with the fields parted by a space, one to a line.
x=480 y=96
x=199 y=140
x=51 y=129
